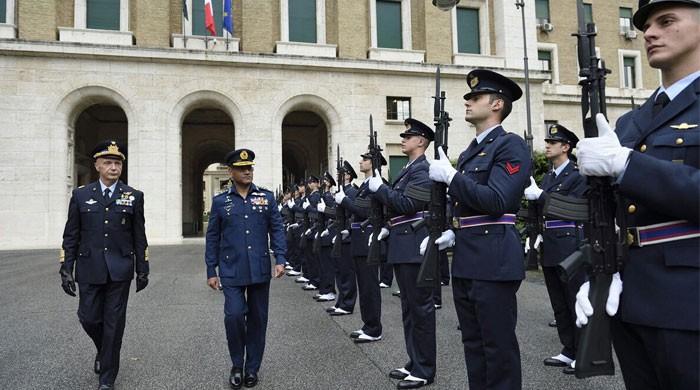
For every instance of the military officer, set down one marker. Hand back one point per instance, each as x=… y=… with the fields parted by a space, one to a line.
x=325 y=234
x=655 y=160
x=237 y=256
x=367 y=275
x=561 y=238
x=346 y=281
x=105 y=241
x=405 y=200
x=488 y=262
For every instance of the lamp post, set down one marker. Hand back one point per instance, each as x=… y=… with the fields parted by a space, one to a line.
x=528 y=132
x=445 y=5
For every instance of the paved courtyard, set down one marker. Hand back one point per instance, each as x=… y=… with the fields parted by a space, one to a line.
x=175 y=338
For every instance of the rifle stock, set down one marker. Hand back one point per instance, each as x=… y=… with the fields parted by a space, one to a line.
x=340 y=217
x=376 y=211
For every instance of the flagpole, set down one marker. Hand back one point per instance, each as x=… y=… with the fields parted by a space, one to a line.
x=184 y=31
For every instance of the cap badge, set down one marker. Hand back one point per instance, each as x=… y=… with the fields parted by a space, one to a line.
x=113 y=148
x=474 y=82
x=244 y=155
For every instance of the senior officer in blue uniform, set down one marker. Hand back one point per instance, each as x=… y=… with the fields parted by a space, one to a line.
x=240 y=223
x=405 y=200
x=488 y=262
x=104 y=240
x=560 y=239
x=655 y=158
x=367 y=275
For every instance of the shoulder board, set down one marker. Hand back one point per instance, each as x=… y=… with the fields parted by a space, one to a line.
x=220 y=194
x=82 y=186
x=263 y=189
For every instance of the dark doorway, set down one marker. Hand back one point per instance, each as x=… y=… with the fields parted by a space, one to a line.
x=304 y=146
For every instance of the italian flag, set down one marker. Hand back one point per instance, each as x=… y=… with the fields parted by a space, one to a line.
x=209 y=17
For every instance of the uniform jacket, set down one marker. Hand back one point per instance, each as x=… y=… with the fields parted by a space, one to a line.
x=359 y=209
x=328 y=217
x=105 y=238
x=559 y=243
x=491 y=178
x=237 y=237
x=403 y=243
x=662 y=183
x=350 y=193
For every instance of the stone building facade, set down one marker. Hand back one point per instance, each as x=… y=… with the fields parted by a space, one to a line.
x=181 y=101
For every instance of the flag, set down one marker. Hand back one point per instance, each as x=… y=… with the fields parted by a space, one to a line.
x=184 y=10
x=209 y=17
x=228 y=17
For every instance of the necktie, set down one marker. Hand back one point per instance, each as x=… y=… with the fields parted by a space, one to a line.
x=662 y=101
x=106 y=194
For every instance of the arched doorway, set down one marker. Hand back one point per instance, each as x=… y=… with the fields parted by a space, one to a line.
x=207 y=135
x=97 y=123
x=304 y=146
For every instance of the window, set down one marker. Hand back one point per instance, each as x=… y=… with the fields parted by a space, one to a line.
x=587 y=13
x=3 y=11
x=396 y=164
x=197 y=17
x=545 y=58
x=103 y=14
x=629 y=72
x=302 y=21
x=389 y=24
x=398 y=108
x=625 y=19
x=542 y=11
x=468 y=31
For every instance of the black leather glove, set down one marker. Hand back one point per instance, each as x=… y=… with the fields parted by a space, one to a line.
x=141 y=282
x=67 y=281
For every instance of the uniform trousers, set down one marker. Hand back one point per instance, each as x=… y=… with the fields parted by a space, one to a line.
x=367 y=276
x=562 y=295
x=102 y=313
x=328 y=271
x=245 y=318
x=345 y=279
x=386 y=274
x=418 y=315
x=487 y=313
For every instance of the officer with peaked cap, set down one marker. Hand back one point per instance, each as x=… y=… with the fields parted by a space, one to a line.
x=406 y=199
x=560 y=239
x=241 y=223
x=326 y=232
x=653 y=157
x=104 y=238
x=488 y=262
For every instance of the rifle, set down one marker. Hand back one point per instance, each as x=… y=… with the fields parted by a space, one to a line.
x=603 y=249
x=376 y=209
x=305 y=224
x=340 y=218
x=533 y=220
x=429 y=273
x=320 y=223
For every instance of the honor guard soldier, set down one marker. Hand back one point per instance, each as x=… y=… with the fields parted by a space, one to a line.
x=367 y=275
x=325 y=234
x=312 y=270
x=105 y=241
x=488 y=261
x=241 y=222
x=560 y=239
x=655 y=160
x=405 y=200
x=295 y=231
x=346 y=281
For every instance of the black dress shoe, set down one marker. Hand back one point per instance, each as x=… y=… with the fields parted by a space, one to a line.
x=397 y=374
x=251 y=379
x=568 y=370
x=404 y=384
x=355 y=334
x=553 y=323
x=552 y=362
x=396 y=294
x=330 y=309
x=236 y=378
x=96 y=367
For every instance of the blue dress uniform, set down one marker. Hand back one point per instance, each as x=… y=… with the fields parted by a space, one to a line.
x=237 y=247
x=105 y=240
x=313 y=261
x=656 y=335
x=488 y=261
x=346 y=281
x=560 y=239
x=300 y=257
x=327 y=264
x=406 y=200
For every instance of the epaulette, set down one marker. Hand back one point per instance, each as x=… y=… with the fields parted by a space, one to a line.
x=264 y=189
x=221 y=193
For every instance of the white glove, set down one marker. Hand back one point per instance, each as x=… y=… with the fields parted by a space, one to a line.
x=292 y=226
x=538 y=241
x=583 y=306
x=307 y=232
x=446 y=240
x=306 y=204
x=533 y=192
x=340 y=195
x=290 y=203
x=602 y=155
x=333 y=240
x=441 y=169
x=384 y=233
x=344 y=234
x=316 y=236
x=325 y=233
x=279 y=207
x=375 y=181
x=527 y=244
x=321 y=206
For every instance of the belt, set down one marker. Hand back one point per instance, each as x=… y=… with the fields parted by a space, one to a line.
x=480 y=220
x=640 y=236
x=358 y=225
x=401 y=219
x=559 y=224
